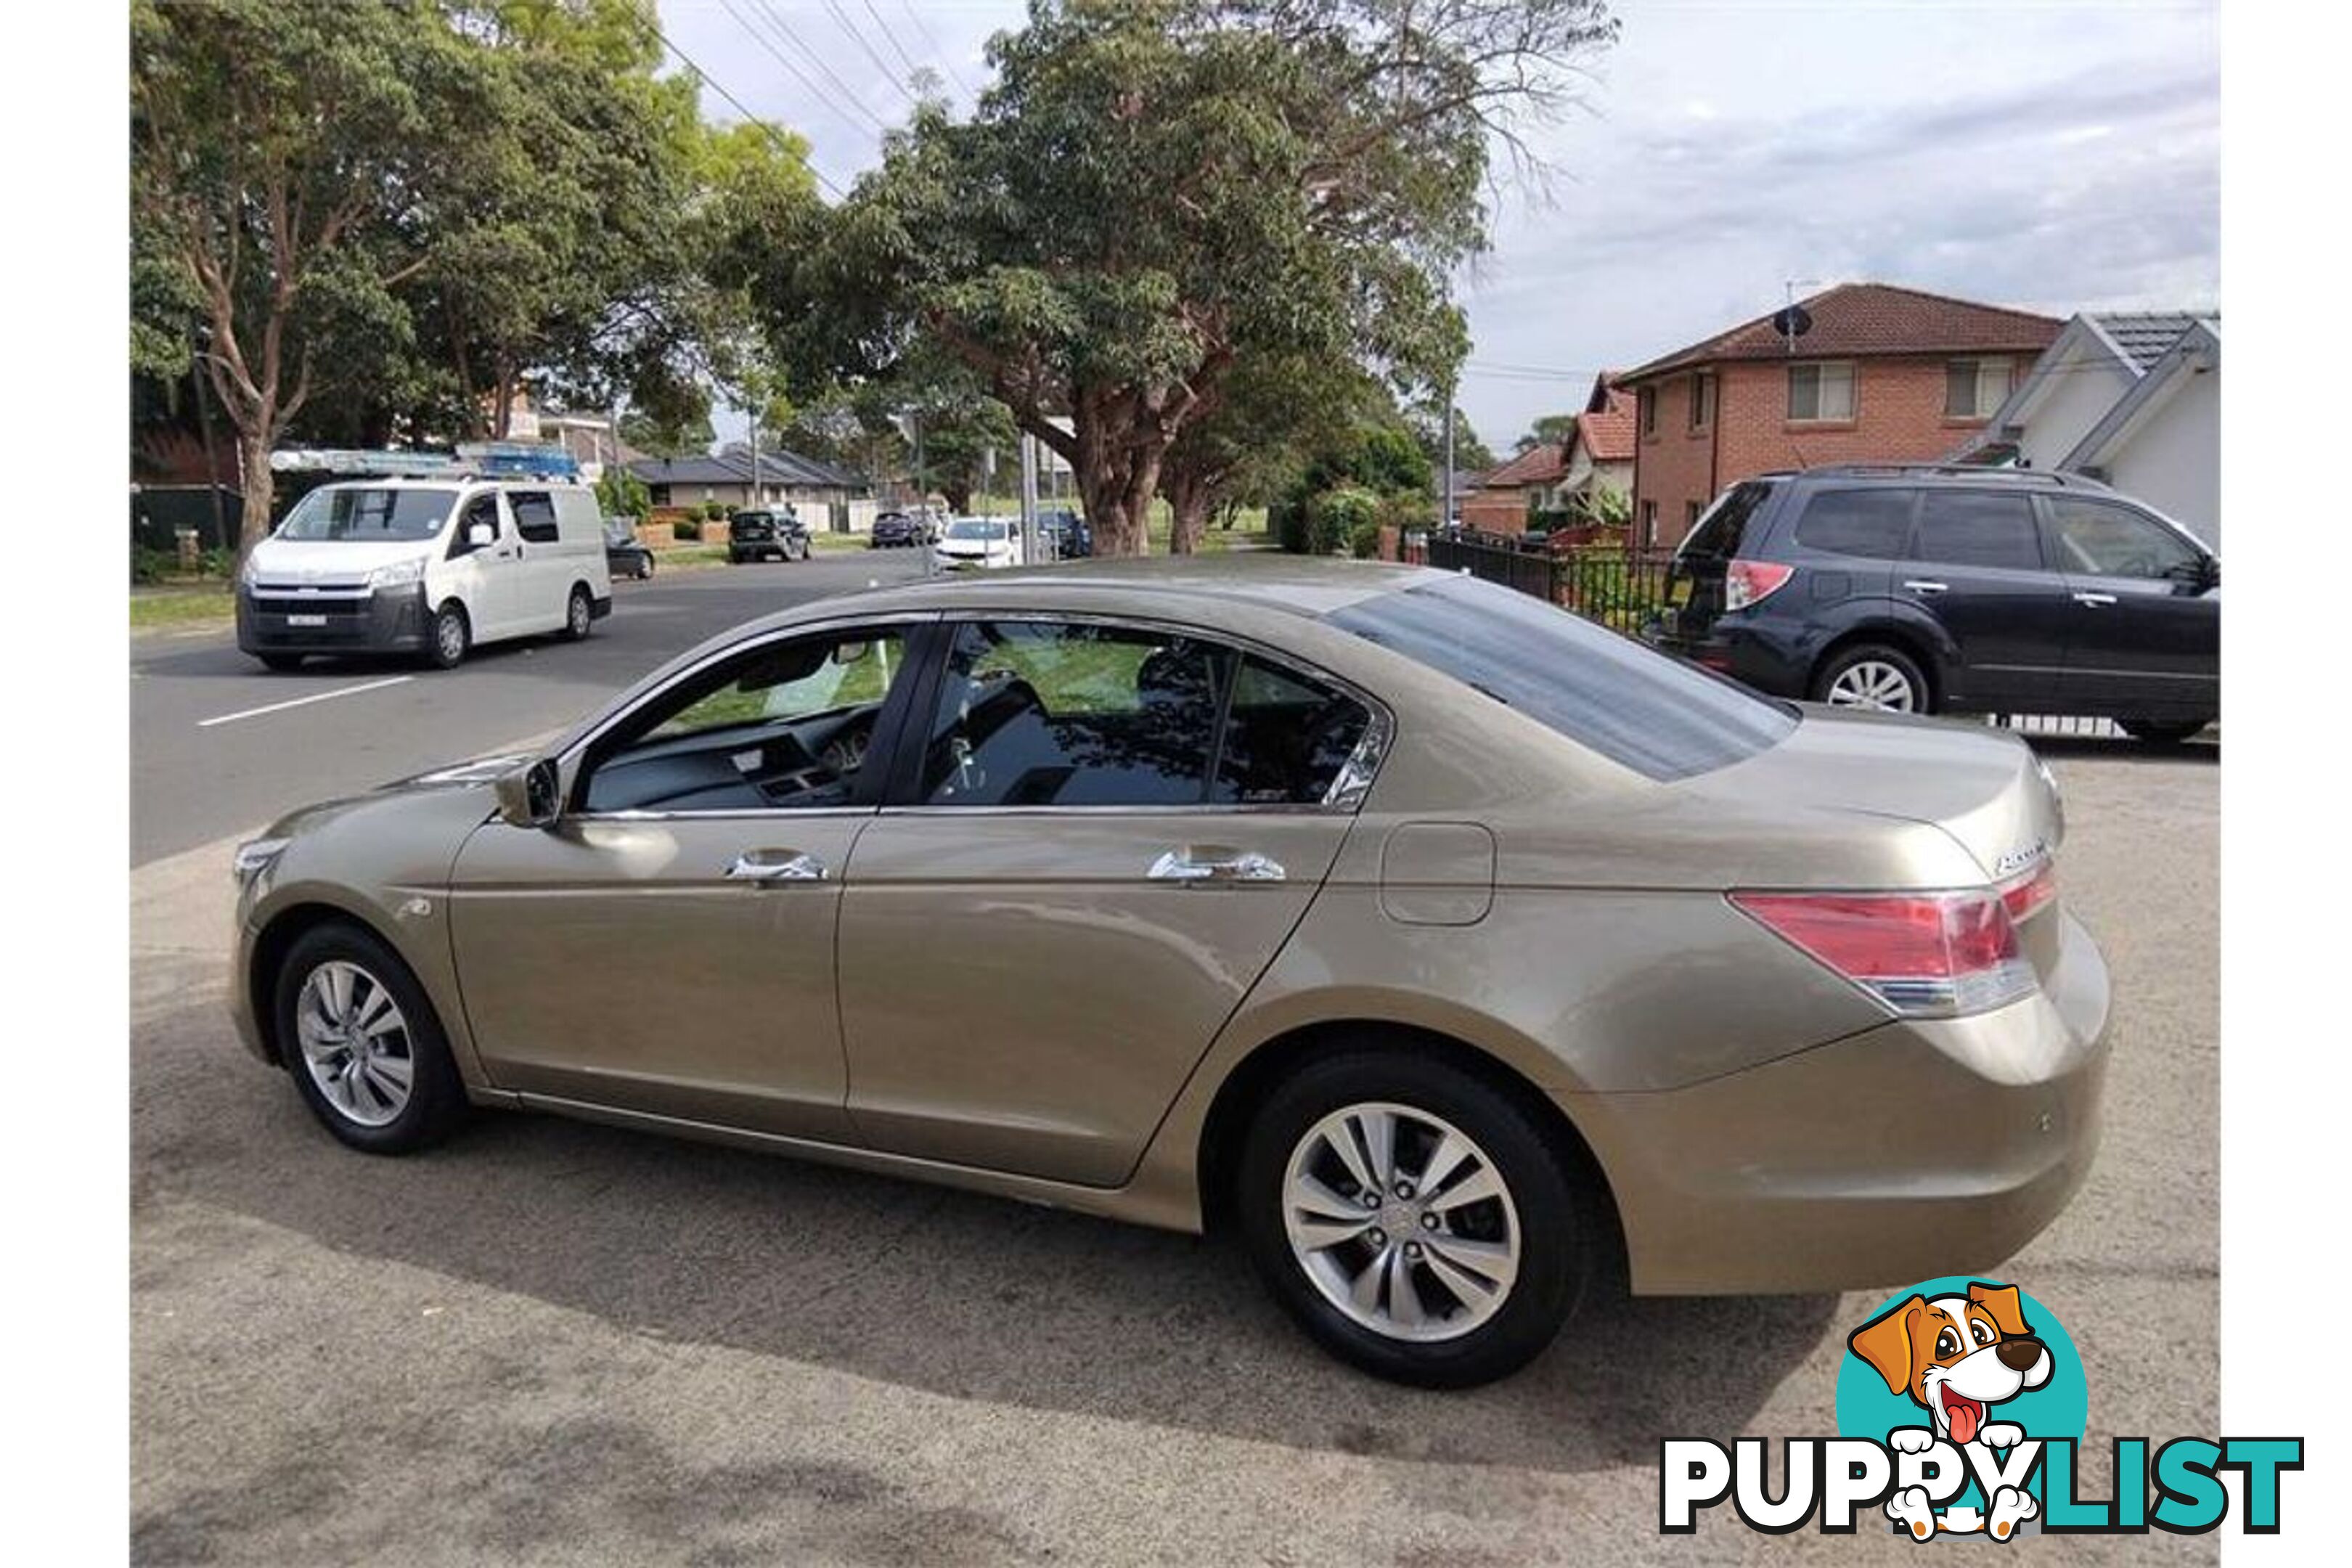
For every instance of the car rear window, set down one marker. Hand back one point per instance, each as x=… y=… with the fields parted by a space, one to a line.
x=1718 y=530
x=1870 y=524
x=1631 y=704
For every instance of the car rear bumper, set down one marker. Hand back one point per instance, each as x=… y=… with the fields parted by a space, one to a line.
x=1753 y=655
x=1915 y=1149
x=387 y=621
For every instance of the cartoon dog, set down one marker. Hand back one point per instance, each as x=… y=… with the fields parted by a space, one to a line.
x=1956 y=1357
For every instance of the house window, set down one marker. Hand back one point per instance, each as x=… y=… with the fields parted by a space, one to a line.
x=1820 y=392
x=1973 y=388
x=1649 y=519
x=1690 y=516
x=1702 y=401
x=1649 y=401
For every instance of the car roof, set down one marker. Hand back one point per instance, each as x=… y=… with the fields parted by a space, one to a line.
x=1300 y=585
x=1942 y=474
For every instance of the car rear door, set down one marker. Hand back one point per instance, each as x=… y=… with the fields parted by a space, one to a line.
x=1976 y=565
x=1075 y=884
x=2144 y=626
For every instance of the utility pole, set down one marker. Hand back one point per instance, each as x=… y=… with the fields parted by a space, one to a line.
x=1028 y=498
x=1445 y=519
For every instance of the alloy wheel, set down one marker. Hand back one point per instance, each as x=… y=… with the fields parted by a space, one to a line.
x=1401 y=1222
x=1876 y=684
x=355 y=1043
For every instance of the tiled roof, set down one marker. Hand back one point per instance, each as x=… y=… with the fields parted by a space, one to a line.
x=2144 y=335
x=1856 y=319
x=731 y=468
x=1539 y=465
x=1608 y=438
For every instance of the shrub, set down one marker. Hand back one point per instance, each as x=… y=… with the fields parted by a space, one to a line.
x=621 y=493
x=714 y=511
x=1344 y=517
x=149 y=565
x=685 y=530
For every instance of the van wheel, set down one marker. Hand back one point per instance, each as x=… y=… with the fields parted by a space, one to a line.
x=1875 y=676
x=1414 y=1218
x=452 y=638
x=579 y=615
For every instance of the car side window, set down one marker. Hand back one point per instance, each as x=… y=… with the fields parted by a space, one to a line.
x=1070 y=713
x=2102 y=538
x=1976 y=528
x=483 y=507
x=1286 y=738
x=784 y=726
x=1871 y=524
x=534 y=516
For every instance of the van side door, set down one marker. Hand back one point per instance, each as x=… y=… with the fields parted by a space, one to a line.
x=544 y=581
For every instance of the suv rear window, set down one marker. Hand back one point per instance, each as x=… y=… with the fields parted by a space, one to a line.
x=1717 y=533
x=1871 y=524
x=1654 y=715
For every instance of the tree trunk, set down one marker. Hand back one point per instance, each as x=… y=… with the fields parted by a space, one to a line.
x=959 y=494
x=1189 y=501
x=259 y=486
x=1119 y=452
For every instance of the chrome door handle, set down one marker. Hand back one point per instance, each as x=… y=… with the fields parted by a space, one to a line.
x=1925 y=585
x=1215 y=866
x=2094 y=600
x=798 y=866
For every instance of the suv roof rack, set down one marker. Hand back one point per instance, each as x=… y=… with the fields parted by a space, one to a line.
x=2051 y=477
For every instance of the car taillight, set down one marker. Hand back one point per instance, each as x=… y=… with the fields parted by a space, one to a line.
x=2023 y=895
x=1925 y=955
x=1746 y=583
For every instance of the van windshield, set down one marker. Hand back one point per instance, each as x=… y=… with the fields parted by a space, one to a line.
x=368 y=514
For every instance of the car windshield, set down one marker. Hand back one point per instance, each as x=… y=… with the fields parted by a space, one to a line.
x=368 y=513
x=973 y=528
x=1631 y=704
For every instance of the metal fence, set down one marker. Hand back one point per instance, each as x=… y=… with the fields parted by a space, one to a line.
x=1620 y=586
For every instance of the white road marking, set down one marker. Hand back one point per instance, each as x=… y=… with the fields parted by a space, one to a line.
x=303 y=701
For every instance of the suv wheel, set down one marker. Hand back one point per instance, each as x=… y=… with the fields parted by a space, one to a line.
x=363 y=1044
x=1412 y=1218
x=2161 y=731
x=1874 y=675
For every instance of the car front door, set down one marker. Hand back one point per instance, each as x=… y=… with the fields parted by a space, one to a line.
x=2144 y=623
x=667 y=947
x=1077 y=880
x=1976 y=565
x=483 y=575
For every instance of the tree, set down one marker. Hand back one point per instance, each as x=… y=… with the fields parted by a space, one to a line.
x=269 y=143
x=1275 y=415
x=1549 y=430
x=1470 y=454
x=1152 y=192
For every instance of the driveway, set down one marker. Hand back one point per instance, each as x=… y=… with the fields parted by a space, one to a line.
x=562 y=1343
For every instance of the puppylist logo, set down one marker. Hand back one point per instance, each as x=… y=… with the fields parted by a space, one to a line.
x=1960 y=1406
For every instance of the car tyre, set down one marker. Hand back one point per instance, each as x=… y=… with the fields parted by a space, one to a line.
x=280 y=663
x=450 y=637
x=645 y=567
x=2161 y=731
x=1874 y=675
x=1545 y=1218
x=386 y=1017
x=579 y=614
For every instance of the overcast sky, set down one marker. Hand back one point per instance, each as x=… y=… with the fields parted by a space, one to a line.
x=2055 y=156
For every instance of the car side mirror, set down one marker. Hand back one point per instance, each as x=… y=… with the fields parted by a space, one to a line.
x=530 y=796
x=480 y=535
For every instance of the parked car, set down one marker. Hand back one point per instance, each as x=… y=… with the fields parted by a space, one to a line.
x=426 y=566
x=1064 y=534
x=899 y=531
x=624 y=556
x=754 y=535
x=1241 y=887
x=983 y=542
x=1956 y=590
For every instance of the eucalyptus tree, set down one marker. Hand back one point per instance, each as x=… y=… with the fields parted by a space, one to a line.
x=1152 y=191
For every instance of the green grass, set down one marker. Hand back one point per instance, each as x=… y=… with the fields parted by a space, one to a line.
x=187 y=605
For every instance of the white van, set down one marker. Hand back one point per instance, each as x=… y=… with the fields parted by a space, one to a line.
x=426 y=565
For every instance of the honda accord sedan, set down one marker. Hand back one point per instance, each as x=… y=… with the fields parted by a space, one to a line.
x=1455 y=952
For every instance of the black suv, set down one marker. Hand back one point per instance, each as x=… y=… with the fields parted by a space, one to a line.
x=1947 y=589
x=755 y=535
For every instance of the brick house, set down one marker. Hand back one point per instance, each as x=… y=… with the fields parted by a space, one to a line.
x=1879 y=375
x=1567 y=476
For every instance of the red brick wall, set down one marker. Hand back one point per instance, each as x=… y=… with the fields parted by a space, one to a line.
x=1494 y=511
x=1898 y=418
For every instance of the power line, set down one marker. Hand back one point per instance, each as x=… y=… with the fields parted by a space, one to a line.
x=895 y=47
x=780 y=138
x=933 y=44
x=881 y=66
x=786 y=30
x=815 y=91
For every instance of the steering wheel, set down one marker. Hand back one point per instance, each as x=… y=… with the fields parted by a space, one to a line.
x=845 y=753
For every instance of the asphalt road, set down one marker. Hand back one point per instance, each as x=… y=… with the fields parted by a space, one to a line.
x=553 y=1342
x=205 y=763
